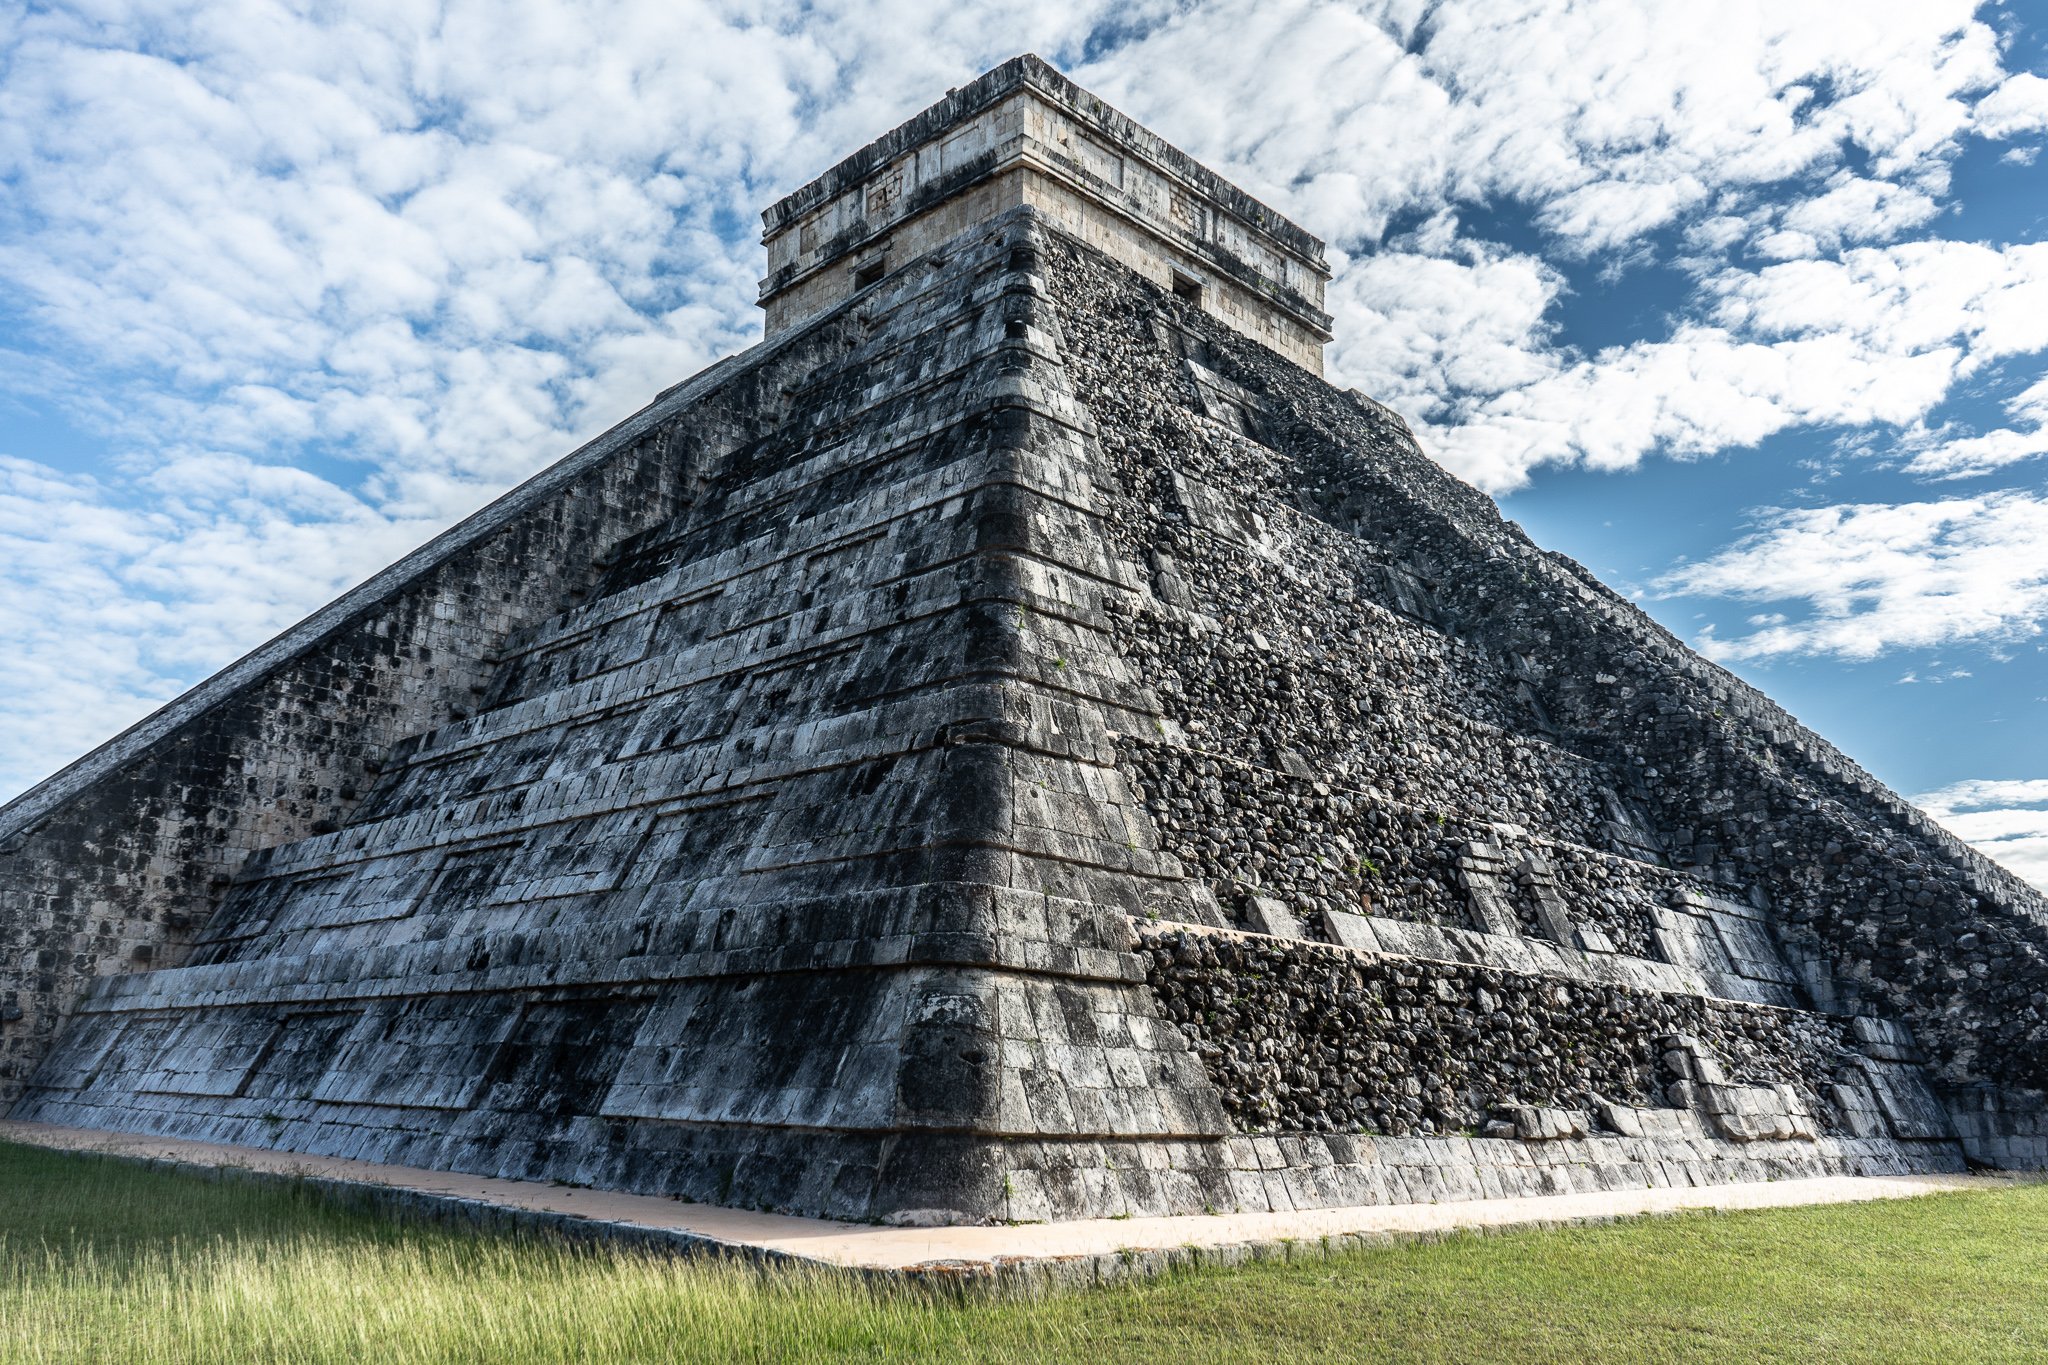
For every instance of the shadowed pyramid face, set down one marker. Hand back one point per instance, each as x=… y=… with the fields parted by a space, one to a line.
x=1033 y=751
x=784 y=868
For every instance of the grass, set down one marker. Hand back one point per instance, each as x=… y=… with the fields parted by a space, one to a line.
x=105 y=1261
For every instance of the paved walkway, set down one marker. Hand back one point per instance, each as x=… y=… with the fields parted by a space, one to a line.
x=898 y=1249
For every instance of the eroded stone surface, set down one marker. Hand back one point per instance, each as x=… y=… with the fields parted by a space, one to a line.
x=1012 y=748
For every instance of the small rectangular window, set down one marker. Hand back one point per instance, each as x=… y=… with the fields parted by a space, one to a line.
x=1187 y=289
x=870 y=273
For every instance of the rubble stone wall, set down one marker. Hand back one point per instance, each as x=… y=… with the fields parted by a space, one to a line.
x=1308 y=1038
x=1364 y=667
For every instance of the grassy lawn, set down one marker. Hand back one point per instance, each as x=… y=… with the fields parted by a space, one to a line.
x=103 y=1261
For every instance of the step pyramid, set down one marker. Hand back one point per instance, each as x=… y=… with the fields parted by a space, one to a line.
x=1015 y=744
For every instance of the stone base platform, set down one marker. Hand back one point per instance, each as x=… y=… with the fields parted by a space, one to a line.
x=1017 y=1257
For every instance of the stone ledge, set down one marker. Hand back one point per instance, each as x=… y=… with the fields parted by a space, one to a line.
x=1025 y=1258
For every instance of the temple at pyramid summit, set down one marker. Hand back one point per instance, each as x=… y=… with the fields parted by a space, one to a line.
x=1015 y=744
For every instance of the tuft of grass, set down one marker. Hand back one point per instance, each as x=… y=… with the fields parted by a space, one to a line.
x=107 y=1261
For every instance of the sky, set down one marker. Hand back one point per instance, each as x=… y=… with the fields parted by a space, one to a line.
x=1744 y=305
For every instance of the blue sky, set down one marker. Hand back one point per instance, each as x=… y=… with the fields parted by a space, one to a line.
x=1918 y=716
x=1743 y=305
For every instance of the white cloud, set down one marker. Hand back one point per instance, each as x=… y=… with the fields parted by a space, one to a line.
x=1878 y=335
x=2005 y=820
x=1912 y=298
x=1612 y=118
x=1876 y=577
x=1427 y=328
x=284 y=210
x=1961 y=457
x=1854 y=209
x=2019 y=105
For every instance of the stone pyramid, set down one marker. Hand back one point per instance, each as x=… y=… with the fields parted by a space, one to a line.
x=1015 y=744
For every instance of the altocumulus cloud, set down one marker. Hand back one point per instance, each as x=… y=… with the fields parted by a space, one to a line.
x=321 y=283
x=1878 y=577
x=1608 y=124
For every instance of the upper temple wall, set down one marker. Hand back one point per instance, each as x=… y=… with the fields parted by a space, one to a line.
x=1024 y=134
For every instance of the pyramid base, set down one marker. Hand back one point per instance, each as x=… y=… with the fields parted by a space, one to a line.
x=932 y=1179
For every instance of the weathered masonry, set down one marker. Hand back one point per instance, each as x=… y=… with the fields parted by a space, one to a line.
x=1014 y=744
x=1025 y=134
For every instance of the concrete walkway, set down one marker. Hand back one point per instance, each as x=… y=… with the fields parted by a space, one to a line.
x=1088 y=1250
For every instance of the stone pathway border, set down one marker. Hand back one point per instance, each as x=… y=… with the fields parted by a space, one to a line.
x=1023 y=1257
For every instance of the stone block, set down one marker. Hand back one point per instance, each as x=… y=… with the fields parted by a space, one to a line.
x=1264 y=915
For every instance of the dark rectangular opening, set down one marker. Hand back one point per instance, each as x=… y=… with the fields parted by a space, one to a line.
x=1187 y=289
x=870 y=273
